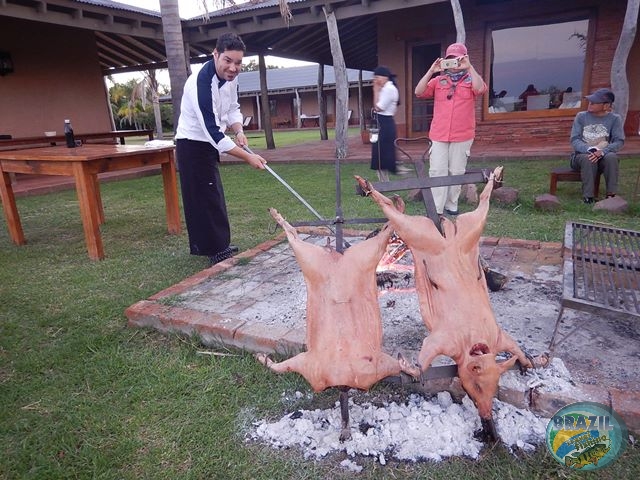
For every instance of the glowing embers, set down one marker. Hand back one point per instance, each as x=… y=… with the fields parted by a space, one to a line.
x=395 y=269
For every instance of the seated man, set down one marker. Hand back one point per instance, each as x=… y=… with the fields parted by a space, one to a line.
x=596 y=136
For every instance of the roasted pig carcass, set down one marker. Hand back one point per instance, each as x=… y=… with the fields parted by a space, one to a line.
x=453 y=298
x=344 y=324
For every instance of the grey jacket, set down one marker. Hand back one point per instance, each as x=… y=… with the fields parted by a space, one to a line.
x=605 y=132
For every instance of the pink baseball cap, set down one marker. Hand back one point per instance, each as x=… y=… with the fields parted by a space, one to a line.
x=456 y=50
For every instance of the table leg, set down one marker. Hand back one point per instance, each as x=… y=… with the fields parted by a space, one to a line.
x=87 y=198
x=170 y=183
x=96 y=187
x=10 y=210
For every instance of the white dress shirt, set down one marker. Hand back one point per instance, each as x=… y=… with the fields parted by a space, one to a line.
x=209 y=106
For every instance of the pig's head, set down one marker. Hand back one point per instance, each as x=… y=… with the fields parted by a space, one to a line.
x=479 y=374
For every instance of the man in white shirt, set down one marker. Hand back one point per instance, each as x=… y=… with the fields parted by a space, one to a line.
x=210 y=107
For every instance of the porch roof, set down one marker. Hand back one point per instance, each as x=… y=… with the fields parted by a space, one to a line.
x=130 y=38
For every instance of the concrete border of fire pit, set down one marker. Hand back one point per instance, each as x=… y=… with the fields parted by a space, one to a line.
x=163 y=313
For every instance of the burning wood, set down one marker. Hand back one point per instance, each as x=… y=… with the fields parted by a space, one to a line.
x=453 y=297
x=344 y=324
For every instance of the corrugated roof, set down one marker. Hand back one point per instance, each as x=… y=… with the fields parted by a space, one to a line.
x=121 y=6
x=130 y=38
x=302 y=78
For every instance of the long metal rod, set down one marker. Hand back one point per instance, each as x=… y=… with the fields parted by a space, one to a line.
x=288 y=187
x=295 y=194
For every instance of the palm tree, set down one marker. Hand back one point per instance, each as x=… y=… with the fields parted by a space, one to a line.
x=148 y=90
x=176 y=57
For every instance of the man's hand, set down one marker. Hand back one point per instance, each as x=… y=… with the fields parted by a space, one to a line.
x=241 y=139
x=256 y=161
x=595 y=156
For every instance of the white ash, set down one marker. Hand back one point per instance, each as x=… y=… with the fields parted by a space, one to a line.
x=351 y=466
x=553 y=378
x=418 y=429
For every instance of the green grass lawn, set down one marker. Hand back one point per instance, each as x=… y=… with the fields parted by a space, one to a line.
x=84 y=396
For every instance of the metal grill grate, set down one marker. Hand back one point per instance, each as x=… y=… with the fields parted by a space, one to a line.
x=604 y=269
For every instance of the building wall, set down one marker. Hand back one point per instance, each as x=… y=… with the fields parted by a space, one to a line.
x=434 y=24
x=57 y=76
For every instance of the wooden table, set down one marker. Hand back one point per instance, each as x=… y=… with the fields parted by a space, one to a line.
x=313 y=119
x=84 y=164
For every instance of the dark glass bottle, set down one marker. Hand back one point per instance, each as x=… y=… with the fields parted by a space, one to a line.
x=68 y=134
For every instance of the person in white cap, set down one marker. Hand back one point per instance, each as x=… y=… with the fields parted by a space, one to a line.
x=453 y=127
x=597 y=134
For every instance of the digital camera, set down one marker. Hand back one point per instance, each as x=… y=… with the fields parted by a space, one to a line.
x=449 y=63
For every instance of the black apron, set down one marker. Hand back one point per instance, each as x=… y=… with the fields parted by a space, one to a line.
x=205 y=210
x=383 y=152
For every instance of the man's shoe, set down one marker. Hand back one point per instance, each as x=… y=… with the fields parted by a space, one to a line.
x=451 y=213
x=588 y=200
x=234 y=249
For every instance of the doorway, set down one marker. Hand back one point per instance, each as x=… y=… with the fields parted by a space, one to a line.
x=421 y=110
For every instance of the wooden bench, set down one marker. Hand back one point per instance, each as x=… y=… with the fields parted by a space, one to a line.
x=566 y=174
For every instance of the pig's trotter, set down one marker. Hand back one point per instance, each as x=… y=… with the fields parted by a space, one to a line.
x=364 y=186
x=541 y=361
x=411 y=370
x=523 y=368
x=345 y=434
x=264 y=359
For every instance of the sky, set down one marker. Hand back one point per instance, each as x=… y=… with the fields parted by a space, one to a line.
x=189 y=9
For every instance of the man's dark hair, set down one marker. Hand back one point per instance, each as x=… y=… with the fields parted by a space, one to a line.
x=230 y=41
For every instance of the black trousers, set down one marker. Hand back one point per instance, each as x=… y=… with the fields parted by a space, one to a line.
x=205 y=210
x=383 y=152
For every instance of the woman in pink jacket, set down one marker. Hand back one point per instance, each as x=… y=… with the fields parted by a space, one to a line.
x=454 y=90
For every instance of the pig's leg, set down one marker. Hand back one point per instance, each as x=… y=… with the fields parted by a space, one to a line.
x=293 y=364
x=432 y=346
x=508 y=344
x=371 y=250
x=408 y=368
x=292 y=234
x=471 y=224
x=413 y=230
x=345 y=434
x=306 y=253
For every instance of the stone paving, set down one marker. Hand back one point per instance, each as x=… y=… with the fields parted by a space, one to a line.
x=256 y=302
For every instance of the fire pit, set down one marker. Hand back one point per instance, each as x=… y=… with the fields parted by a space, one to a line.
x=264 y=310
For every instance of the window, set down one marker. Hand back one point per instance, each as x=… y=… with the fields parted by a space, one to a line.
x=273 y=107
x=537 y=69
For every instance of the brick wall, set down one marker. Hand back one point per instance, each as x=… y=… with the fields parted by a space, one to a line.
x=523 y=132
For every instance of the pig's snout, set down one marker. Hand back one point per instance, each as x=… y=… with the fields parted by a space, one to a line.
x=485 y=408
